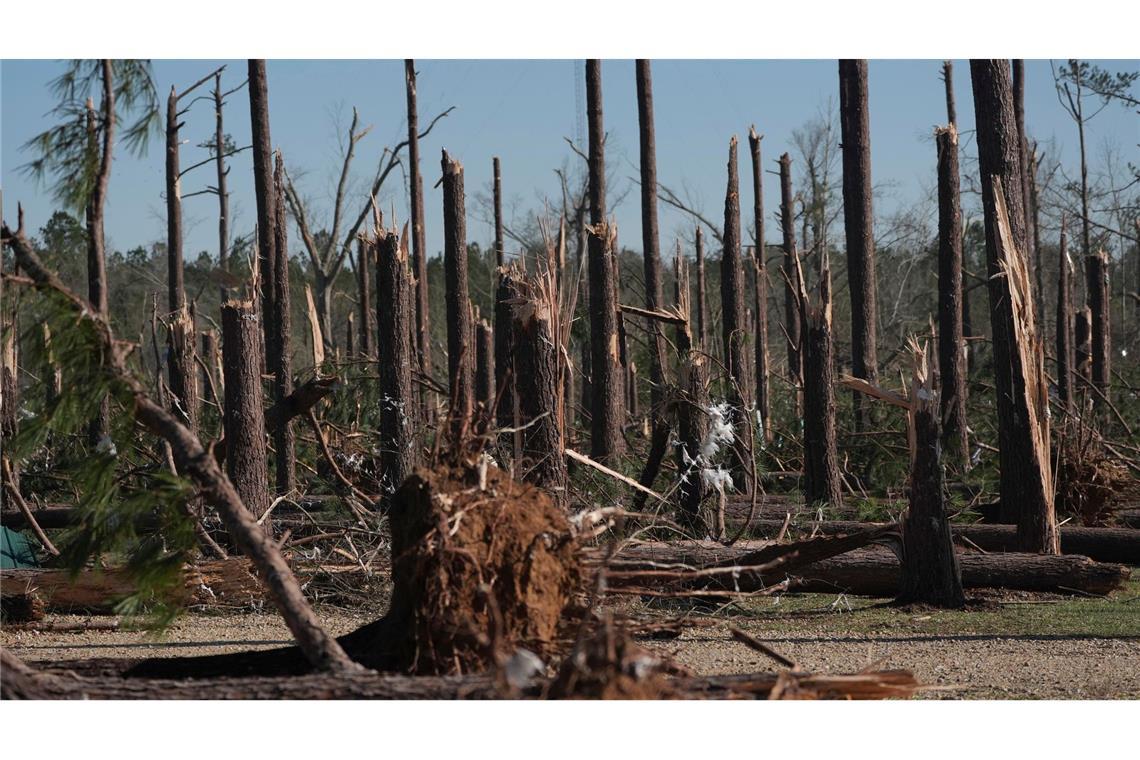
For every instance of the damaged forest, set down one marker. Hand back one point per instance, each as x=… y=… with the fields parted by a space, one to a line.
x=802 y=449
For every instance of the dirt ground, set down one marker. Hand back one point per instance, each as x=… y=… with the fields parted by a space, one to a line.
x=1006 y=646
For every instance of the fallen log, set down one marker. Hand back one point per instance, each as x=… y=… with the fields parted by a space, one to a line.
x=21 y=681
x=870 y=572
x=1101 y=544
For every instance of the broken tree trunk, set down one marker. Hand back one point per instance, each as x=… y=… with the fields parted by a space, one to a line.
x=484 y=372
x=395 y=299
x=195 y=463
x=500 y=253
x=858 y=222
x=540 y=389
x=702 y=307
x=460 y=349
x=221 y=191
x=419 y=247
x=1066 y=358
x=364 y=286
x=243 y=418
x=509 y=288
x=266 y=192
x=951 y=344
x=737 y=357
x=692 y=417
x=1022 y=394
x=823 y=482
x=791 y=283
x=760 y=272
x=930 y=566
x=1018 y=79
x=948 y=80
x=1096 y=269
x=180 y=365
x=606 y=409
x=278 y=363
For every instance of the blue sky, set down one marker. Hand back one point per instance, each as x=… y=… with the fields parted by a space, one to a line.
x=520 y=110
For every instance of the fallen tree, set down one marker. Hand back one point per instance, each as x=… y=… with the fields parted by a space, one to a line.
x=865 y=572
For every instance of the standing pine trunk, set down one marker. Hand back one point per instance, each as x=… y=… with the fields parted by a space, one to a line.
x=792 y=285
x=364 y=285
x=951 y=345
x=223 y=193
x=279 y=363
x=182 y=334
x=394 y=319
x=508 y=289
x=948 y=80
x=1018 y=68
x=243 y=418
x=460 y=348
x=540 y=389
x=1064 y=327
x=650 y=240
x=266 y=194
x=606 y=410
x=930 y=566
x=858 y=222
x=702 y=307
x=1096 y=269
x=419 y=247
x=737 y=357
x=692 y=406
x=760 y=271
x=500 y=253
x=96 y=204
x=484 y=372
x=823 y=482
x=1019 y=379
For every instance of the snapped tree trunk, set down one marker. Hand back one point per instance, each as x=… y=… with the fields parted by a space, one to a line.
x=930 y=566
x=182 y=333
x=692 y=417
x=223 y=193
x=266 y=194
x=1018 y=68
x=792 y=284
x=500 y=253
x=484 y=372
x=244 y=414
x=460 y=348
x=1096 y=268
x=208 y=342
x=823 y=482
x=951 y=345
x=1064 y=325
x=858 y=222
x=606 y=410
x=702 y=307
x=948 y=80
x=419 y=247
x=279 y=362
x=737 y=356
x=395 y=299
x=509 y=288
x=1019 y=377
x=540 y=389
x=760 y=271
x=364 y=285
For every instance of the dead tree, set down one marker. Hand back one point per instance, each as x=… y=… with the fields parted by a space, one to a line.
x=460 y=347
x=395 y=298
x=930 y=566
x=760 y=272
x=702 y=307
x=737 y=357
x=948 y=80
x=1082 y=345
x=606 y=410
x=279 y=363
x=1096 y=271
x=96 y=204
x=1066 y=358
x=265 y=191
x=243 y=418
x=858 y=222
x=539 y=379
x=1019 y=377
x=692 y=417
x=792 y=285
x=951 y=345
x=208 y=342
x=508 y=289
x=1018 y=68
x=484 y=371
x=221 y=191
x=364 y=291
x=823 y=482
x=498 y=191
x=419 y=247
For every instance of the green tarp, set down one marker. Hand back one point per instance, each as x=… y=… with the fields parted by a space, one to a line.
x=15 y=550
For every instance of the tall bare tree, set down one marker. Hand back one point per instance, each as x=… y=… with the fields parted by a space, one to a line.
x=791 y=276
x=419 y=247
x=280 y=364
x=760 y=272
x=737 y=357
x=460 y=346
x=951 y=344
x=266 y=195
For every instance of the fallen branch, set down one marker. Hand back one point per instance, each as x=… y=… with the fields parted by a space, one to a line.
x=612 y=473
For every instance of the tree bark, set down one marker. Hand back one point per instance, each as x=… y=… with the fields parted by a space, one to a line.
x=760 y=270
x=930 y=566
x=823 y=482
x=279 y=362
x=1023 y=426
x=395 y=298
x=364 y=285
x=244 y=416
x=539 y=392
x=1082 y=344
x=734 y=325
x=182 y=330
x=951 y=345
x=266 y=194
x=419 y=247
x=484 y=372
x=460 y=347
x=1096 y=268
x=97 y=292
x=692 y=419
x=506 y=379
x=223 y=193
x=500 y=253
x=858 y=222
x=1066 y=359
x=948 y=80
x=607 y=412
x=702 y=306
x=792 y=282
x=1018 y=67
